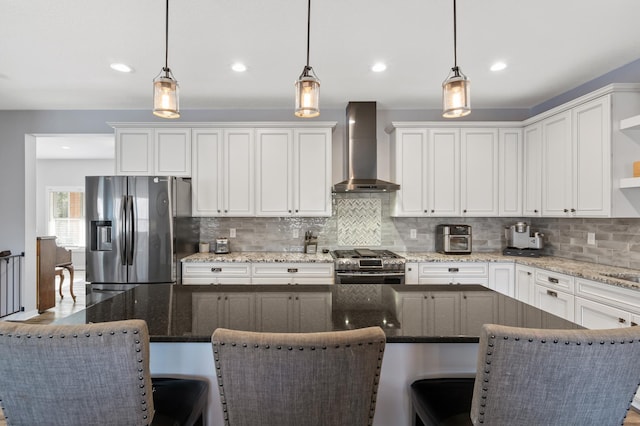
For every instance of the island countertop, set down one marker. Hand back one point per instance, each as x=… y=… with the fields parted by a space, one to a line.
x=181 y=313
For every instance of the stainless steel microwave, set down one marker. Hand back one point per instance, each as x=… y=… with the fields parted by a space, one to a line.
x=453 y=239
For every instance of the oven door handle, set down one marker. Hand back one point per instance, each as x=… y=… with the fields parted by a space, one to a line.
x=364 y=274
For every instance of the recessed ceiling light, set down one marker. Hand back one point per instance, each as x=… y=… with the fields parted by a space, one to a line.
x=121 y=67
x=378 y=67
x=65 y=147
x=498 y=66
x=238 y=67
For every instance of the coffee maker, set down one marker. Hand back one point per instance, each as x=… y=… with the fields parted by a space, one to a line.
x=520 y=242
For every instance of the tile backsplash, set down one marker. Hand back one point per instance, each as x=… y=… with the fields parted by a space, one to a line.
x=364 y=220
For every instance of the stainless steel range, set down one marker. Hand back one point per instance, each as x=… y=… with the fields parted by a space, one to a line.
x=366 y=266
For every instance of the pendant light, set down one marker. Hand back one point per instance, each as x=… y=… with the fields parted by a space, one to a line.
x=308 y=85
x=165 y=86
x=455 y=89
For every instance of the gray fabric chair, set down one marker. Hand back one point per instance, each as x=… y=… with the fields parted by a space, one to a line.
x=292 y=379
x=538 y=377
x=93 y=374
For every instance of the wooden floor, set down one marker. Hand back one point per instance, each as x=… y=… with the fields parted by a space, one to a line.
x=66 y=306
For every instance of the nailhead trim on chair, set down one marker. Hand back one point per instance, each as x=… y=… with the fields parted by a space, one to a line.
x=140 y=360
x=487 y=369
x=312 y=348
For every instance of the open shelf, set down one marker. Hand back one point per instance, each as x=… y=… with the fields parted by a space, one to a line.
x=630 y=182
x=631 y=123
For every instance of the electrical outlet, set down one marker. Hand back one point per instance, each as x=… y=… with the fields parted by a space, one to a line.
x=413 y=234
x=232 y=232
x=591 y=238
x=296 y=233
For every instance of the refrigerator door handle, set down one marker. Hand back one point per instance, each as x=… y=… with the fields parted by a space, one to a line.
x=130 y=230
x=123 y=233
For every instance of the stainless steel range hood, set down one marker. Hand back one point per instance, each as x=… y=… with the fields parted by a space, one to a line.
x=361 y=152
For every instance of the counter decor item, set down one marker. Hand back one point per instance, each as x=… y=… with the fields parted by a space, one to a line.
x=520 y=242
x=204 y=247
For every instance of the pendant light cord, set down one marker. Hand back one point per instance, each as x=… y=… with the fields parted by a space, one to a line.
x=455 y=44
x=308 y=30
x=166 y=40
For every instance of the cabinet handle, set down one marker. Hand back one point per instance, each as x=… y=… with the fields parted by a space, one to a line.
x=289 y=211
x=433 y=211
x=622 y=320
x=216 y=269
x=552 y=293
x=454 y=269
x=535 y=210
x=292 y=270
x=226 y=211
x=426 y=211
x=634 y=324
x=297 y=210
x=553 y=280
x=409 y=269
x=464 y=211
x=573 y=210
x=218 y=211
x=528 y=273
x=565 y=210
x=464 y=297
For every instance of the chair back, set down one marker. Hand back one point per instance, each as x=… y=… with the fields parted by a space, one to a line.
x=291 y=379
x=555 y=377
x=93 y=374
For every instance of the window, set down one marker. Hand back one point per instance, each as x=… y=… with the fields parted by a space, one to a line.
x=66 y=216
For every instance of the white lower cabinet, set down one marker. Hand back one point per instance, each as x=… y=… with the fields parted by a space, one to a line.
x=293 y=312
x=229 y=310
x=477 y=308
x=411 y=273
x=292 y=273
x=216 y=273
x=524 y=284
x=502 y=278
x=430 y=313
x=454 y=273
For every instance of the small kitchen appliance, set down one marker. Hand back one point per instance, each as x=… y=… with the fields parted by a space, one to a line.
x=222 y=245
x=366 y=266
x=520 y=242
x=453 y=239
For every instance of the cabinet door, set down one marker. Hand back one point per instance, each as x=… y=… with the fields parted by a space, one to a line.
x=555 y=302
x=510 y=172
x=444 y=172
x=239 y=311
x=411 y=273
x=443 y=313
x=596 y=315
x=312 y=172
x=238 y=166
x=477 y=308
x=557 y=166
x=134 y=152
x=479 y=172
x=502 y=278
x=207 y=313
x=274 y=312
x=532 y=202
x=312 y=312
x=410 y=154
x=524 y=284
x=412 y=307
x=207 y=182
x=172 y=152
x=274 y=151
x=592 y=153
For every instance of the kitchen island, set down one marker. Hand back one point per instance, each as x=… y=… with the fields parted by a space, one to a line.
x=431 y=330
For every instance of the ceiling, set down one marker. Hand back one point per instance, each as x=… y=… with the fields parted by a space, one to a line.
x=56 y=55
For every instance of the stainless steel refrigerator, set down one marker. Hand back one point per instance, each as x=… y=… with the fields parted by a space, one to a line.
x=131 y=228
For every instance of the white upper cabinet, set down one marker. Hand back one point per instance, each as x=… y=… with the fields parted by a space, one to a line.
x=444 y=172
x=532 y=185
x=223 y=172
x=510 y=172
x=479 y=172
x=153 y=152
x=293 y=172
x=557 y=166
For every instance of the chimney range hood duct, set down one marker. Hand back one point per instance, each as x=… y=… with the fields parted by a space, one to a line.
x=361 y=152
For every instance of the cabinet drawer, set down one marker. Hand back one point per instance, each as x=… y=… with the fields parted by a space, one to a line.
x=454 y=280
x=609 y=294
x=596 y=315
x=555 y=302
x=554 y=280
x=458 y=269
x=311 y=270
x=212 y=270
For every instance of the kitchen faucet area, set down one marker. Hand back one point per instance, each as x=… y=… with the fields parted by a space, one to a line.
x=376 y=189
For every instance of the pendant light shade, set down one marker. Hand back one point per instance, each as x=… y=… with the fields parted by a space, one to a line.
x=308 y=84
x=166 y=102
x=456 y=100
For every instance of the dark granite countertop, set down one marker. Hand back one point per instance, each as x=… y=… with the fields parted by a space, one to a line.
x=407 y=313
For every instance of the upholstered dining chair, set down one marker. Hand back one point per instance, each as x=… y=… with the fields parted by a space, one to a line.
x=538 y=377
x=90 y=374
x=292 y=379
